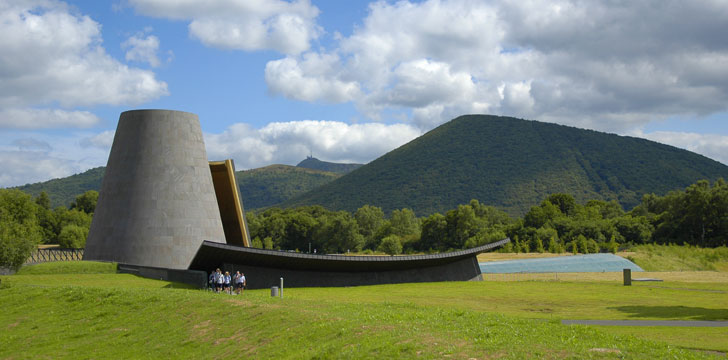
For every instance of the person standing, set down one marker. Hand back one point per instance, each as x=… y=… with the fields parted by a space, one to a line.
x=219 y=280
x=239 y=279
x=211 y=281
x=227 y=283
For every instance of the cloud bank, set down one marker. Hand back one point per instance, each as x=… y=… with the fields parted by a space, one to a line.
x=51 y=63
x=290 y=142
x=606 y=66
x=287 y=27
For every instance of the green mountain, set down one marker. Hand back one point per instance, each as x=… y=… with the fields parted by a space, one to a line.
x=513 y=164
x=274 y=184
x=259 y=188
x=316 y=164
x=63 y=191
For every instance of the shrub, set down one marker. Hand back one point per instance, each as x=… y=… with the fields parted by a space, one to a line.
x=73 y=236
x=391 y=245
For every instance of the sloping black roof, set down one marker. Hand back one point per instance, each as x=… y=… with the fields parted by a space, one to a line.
x=212 y=254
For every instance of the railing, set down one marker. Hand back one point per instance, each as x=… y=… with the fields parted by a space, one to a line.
x=47 y=255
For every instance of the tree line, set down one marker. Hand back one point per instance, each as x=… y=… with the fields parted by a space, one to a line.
x=697 y=215
x=26 y=222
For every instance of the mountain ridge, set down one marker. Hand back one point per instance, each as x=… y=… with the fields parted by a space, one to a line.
x=340 y=168
x=259 y=187
x=513 y=164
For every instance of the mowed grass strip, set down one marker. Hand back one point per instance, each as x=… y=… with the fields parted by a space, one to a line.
x=546 y=299
x=652 y=257
x=566 y=300
x=69 y=267
x=94 y=322
x=124 y=316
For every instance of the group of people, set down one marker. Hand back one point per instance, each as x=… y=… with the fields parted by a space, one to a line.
x=220 y=282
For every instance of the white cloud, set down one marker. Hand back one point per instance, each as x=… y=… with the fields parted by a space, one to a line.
x=26 y=118
x=713 y=146
x=49 y=54
x=287 y=27
x=291 y=142
x=30 y=144
x=27 y=167
x=311 y=78
x=33 y=156
x=103 y=140
x=142 y=49
x=606 y=66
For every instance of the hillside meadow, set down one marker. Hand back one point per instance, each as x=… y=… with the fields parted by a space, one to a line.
x=86 y=310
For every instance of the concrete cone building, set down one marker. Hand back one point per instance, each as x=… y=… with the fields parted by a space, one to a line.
x=157 y=202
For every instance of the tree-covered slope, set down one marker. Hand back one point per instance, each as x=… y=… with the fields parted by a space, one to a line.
x=513 y=164
x=316 y=164
x=262 y=187
x=63 y=191
x=271 y=185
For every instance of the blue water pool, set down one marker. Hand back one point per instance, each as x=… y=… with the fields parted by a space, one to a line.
x=576 y=263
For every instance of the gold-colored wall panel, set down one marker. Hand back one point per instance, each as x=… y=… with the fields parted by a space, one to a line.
x=229 y=202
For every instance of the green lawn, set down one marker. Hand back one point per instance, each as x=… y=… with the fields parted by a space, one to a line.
x=123 y=316
x=653 y=257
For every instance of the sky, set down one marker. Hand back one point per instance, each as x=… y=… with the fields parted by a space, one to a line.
x=274 y=81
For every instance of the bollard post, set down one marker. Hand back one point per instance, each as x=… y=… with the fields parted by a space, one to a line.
x=274 y=291
x=281 y=288
x=627 y=277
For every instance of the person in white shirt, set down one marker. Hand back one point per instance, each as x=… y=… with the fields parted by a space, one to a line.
x=239 y=282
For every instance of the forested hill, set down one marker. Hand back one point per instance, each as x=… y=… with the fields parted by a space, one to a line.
x=262 y=187
x=316 y=164
x=63 y=191
x=513 y=164
x=274 y=184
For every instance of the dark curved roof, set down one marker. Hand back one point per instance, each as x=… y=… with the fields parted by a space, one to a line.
x=212 y=255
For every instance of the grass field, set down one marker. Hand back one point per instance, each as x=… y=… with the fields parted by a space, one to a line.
x=678 y=258
x=76 y=313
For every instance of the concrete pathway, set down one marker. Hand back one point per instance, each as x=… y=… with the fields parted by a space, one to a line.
x=689 y=323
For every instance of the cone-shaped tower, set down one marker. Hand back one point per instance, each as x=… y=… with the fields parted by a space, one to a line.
x=157 y=201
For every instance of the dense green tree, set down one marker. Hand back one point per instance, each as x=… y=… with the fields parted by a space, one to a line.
x=583 y=244
x=542 y=215
x=539 y=246
x=339 y=233
x=404 y=223
x=256 y=243
x=268 y=243
x=86 y=202
x=486 y=236
x=607 y=209
x=46 y=218
x=391 y=245
x=19 y=229
x=564 y=202
x=434 y=231
x=370 y=219
x=634 y=229
x=696 y=216
x=554 y=247
x=462 y=224
x=43 y=200
x=73 y=236
x=612 y=246
x=65 y=217
x=300 y=227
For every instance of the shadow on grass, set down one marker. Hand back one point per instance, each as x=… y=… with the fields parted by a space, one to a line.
x=673 y=312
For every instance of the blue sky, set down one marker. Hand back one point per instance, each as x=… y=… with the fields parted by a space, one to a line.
x=273 y=80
